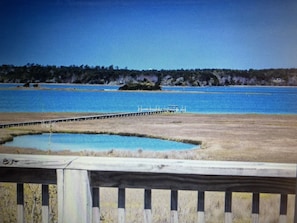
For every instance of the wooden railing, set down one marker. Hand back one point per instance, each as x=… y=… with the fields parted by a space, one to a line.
x=78 y=179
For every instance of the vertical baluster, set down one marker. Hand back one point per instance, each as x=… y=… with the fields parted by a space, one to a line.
x=200 y=207
x=295 y=211
x=45 y=203
x=228 y=207
x=20 y=203
x=121 y=205
x=255 y=208
x=95 y=205
x=147 y=206
x=283 y=208
x=174 y=205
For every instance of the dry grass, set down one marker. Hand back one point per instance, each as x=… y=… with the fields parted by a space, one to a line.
x=266 y=138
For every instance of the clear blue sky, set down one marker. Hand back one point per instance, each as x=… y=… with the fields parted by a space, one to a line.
x=155 y=34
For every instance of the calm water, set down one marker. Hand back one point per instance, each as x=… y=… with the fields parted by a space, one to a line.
x=96 y=98
x=97 y=142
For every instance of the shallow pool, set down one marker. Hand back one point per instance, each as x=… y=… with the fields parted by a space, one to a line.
x=95 y=142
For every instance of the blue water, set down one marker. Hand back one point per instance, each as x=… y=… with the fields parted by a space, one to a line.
x=99 y=98
x=95 y=142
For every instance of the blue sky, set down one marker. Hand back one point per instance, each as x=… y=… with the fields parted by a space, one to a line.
x=156 y=34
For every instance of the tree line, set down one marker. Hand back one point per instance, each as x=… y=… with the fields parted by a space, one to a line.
x=84 y=74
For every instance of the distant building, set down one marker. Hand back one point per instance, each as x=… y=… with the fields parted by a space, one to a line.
x=278 y=80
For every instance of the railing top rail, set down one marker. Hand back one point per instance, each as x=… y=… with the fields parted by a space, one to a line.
x=143 y=165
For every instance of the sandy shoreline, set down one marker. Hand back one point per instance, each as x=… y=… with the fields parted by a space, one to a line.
x=266 y=138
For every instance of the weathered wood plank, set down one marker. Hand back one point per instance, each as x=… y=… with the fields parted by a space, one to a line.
x=229 y=168
x=95 y=205
x=74 y=196
x=60 y=190
x=35 y=161
x=45 y=203
x=20 y=203
x=228 y=207
x=174 y=200
x=200 y=207
x=282 y=219
x=228 y=201
x=121 y=205
x=147 y=215
x=283 y=208
x=147 y=206
x=174 y=206
x=28 y=175
x=255 y=207
x=140 y=165
x=147 y=199
x=193 y=182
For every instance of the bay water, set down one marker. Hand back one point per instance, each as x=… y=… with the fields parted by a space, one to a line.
x=106 y=99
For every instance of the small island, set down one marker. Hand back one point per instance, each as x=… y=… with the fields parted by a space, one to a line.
x=144 y=86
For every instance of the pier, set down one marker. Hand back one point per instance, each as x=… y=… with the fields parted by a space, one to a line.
x=82 y=118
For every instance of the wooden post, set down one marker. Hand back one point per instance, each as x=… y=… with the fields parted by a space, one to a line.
x=174 y=205
x=255 y=208
x=147 y=206
x=20 y=203
x=283 y=208
x=74 y=196
x=45 y=203
x=121 y=205
x=200 y=207
x=228 y=207
x=96 y=205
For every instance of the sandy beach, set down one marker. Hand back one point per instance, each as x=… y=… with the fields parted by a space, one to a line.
x=265 y=138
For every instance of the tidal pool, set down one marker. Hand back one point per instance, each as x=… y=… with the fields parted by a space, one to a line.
x=95 y=142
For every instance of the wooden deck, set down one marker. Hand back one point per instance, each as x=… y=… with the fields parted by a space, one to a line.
x=80 y=203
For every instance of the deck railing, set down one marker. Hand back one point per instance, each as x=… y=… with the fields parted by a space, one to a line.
x=78 y=180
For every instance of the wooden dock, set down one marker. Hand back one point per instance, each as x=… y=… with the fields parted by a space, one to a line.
x=81 y=118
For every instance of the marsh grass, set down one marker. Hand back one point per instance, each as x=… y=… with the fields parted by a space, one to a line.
x=223 y=138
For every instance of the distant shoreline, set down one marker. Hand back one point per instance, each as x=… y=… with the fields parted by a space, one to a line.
x=114 y=85
x=35 y=73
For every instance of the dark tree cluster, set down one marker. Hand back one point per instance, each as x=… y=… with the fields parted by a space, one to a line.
x=84 y=74
x=141 y=86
